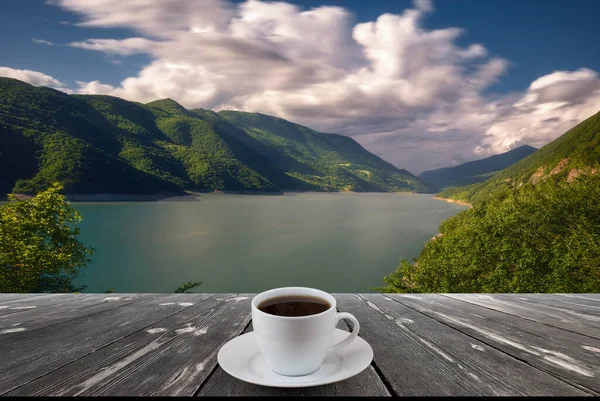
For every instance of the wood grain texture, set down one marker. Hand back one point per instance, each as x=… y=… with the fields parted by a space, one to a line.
x=12 y=296
x=56 y=313
x=580 y=305
x=18 y=305
x=591 y=297
x=425 y=344
x=420 y=356
x=171 y=357
x=85 y=305
x=576 y=322
x=366 y=383
x=29 y=354
x=570 y=356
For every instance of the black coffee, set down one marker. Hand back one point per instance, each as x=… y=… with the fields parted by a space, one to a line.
x=294 y=305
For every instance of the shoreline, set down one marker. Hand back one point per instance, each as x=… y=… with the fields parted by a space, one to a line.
x=462 y=203
x=118 y=197
x=194 y=196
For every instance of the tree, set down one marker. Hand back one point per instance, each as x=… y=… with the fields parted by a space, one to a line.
x=39 y=249
x=533 y=238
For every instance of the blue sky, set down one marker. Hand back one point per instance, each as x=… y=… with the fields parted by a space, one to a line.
x=22 y=21
x=537 y=37
x=418 y=98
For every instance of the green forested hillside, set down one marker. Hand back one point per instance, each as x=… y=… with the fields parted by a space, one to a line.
x=574 y=153
x=333 y=162
x=536 y=238
x=534 y=227
x=46 y=136
x=103 y=144
x=475 y=171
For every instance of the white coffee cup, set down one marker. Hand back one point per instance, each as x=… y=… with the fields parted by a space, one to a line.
x=297 y=346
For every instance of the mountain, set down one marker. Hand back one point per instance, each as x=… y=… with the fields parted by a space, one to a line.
x=332 y=162
x=574 y=153
x=533 y=227
x=536 y=238
x=475 y=171
x=103 y=144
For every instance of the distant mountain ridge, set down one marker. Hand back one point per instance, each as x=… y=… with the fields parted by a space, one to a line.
x=106 y=145
x=574 y=153
x=474 y=171
x=532 y=228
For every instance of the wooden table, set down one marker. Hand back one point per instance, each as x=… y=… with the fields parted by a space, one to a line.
x=428 y=344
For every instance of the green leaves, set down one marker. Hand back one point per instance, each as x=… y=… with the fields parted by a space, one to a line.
x=184 y=289
x=39 y=250
x=542 y=238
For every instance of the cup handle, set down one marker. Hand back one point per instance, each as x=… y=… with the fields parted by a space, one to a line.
x=352 y=336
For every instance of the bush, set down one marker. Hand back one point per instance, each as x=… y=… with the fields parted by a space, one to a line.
x=39 y=249
x=542 y=238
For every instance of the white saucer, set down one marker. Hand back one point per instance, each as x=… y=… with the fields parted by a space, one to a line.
x=241 y=358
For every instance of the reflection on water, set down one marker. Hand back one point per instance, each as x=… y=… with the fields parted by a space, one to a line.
x=249 y=243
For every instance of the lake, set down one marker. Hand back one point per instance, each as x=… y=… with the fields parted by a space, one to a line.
x=250 y=243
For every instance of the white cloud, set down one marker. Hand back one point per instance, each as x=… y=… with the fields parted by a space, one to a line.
x=552 y=104
x=42 y=42
x=424 y=5
x=152 y=17
x=32 y=77
x=124 y=47
x=409 y=94
x=93 y=88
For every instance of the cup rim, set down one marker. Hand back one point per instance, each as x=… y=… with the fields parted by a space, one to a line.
x=328 y=297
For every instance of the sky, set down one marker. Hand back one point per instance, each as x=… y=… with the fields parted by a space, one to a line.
x=423 y=84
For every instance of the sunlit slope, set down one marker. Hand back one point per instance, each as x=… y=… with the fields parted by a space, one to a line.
x=574 y=153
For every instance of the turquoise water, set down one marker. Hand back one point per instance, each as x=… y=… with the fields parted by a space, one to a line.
x=249 y=243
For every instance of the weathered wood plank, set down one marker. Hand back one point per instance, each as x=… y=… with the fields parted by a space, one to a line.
x=573 y=357
x=426 y=344
x=84 y=304
x=581 y=323
x=27 y=355
x=170 y=357
x=12 y=296
x=366 y=383
x=22 y=304
x=584 y=306
x=592 y=302
x=420 y=356
x=591 y=297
